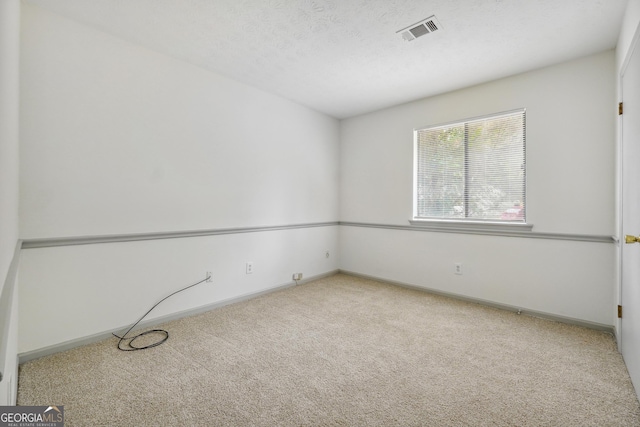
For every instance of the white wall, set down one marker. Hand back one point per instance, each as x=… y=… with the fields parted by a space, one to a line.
x=630 y=22
x=560 y=278
x=117 y=139
x=73 y=292
x=9 y=102
x=9 y=126
x=570 y=189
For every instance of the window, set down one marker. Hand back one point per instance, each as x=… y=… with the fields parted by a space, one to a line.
x=473 y=170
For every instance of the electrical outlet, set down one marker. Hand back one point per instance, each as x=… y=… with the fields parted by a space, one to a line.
x=297 y=276
x=457 y=268
x=249 y=267
x=209 y=276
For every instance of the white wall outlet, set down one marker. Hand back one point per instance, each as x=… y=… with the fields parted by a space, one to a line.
x=457 y=268
x=249 y=267
x=209 y=276
x=297 y=276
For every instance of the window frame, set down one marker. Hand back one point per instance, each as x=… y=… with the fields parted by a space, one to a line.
x=469 y=224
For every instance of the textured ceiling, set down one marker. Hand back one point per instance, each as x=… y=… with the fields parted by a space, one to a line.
x=343 y=57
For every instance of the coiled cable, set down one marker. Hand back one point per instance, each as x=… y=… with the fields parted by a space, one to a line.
x=128 y=341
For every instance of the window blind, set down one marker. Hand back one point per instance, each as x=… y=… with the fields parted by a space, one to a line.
x=472 y=170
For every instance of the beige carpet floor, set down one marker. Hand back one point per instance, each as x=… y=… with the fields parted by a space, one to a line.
x=345 y=351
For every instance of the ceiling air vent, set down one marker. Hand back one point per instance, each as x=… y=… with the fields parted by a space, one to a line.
x=419 y=29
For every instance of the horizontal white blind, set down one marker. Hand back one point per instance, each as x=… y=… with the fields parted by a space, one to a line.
x=472 y=170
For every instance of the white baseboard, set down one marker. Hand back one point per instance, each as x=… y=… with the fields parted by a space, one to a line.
x=549 y=316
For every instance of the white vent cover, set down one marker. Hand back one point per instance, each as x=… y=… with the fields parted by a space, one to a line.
x=419 y=29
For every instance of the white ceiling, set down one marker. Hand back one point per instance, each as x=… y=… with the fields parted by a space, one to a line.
x=343 y=57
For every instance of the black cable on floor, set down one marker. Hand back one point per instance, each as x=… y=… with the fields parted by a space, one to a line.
x=129 y=344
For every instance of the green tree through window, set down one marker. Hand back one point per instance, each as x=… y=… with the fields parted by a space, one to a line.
x=472 y=170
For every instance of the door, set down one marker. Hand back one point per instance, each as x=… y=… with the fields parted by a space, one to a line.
x=630 y=292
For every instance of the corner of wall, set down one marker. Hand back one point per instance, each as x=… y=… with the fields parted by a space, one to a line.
x=9 y=189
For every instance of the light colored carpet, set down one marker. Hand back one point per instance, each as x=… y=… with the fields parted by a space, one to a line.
x=345 y=351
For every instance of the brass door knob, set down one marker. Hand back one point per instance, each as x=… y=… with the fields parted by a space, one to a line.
x=631 y=239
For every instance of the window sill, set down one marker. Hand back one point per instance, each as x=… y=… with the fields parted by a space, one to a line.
x=473 y=227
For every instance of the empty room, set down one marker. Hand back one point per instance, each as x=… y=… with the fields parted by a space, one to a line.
x=320 y=212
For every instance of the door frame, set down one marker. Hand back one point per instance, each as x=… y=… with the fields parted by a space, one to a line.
x=635 y=41
x=634 y=48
